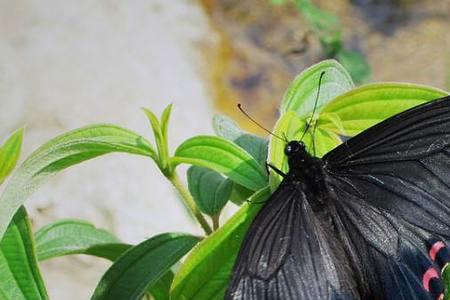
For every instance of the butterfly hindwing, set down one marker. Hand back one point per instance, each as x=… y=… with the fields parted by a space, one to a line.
x=389 y=255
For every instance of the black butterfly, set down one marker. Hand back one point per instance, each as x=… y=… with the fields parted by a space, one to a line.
x=356 y=224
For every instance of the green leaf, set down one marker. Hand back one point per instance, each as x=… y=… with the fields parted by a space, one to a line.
x=355 y=63
x=165 y=121
x=302 y=92
x=226 y=127
x=160 y=290
x=331 y=122
x=154 y=123
x=239 y=193
x=108 y=251
x=206 y=271
x=71 y=237
x=159 y=139
x=160 y=131
x=367 y=105
x=62 y=152
x=255 y=146
x=325 y=141
x=164 y=143
x=222 y=156
x=130 y=276
x=20 y=278
x=211 y=191
x=67 y=237
x=9 y=154
x=445 y=275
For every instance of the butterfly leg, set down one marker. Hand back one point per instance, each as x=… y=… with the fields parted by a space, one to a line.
x=278 y=171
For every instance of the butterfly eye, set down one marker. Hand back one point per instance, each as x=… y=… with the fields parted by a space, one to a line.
x=292 y=147
x=287 y=150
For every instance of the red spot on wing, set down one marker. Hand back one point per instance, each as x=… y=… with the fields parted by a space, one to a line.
x=434 y=250
x=427 y=276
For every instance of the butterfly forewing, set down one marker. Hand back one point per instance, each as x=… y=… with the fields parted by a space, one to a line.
x=399 y=169
x=286 y=254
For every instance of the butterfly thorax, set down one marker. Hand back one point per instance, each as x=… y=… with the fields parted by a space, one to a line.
x=306 y=172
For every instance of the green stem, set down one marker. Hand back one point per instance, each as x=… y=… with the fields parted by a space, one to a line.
x=189 y=202
x=215 y=221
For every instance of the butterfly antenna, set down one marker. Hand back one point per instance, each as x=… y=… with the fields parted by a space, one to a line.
x=315 y=106
x=259 y=125
x=314 y=138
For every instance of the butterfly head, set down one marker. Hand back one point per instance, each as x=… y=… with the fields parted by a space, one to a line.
x=295 y=148
x=298 y=158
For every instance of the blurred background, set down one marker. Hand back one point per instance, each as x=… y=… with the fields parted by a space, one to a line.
x=66 y=64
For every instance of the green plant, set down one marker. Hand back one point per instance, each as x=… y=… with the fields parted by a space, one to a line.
x=229 y=166
x=327 y=28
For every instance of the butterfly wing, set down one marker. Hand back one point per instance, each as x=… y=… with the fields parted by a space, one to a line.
x=389 y=255
x=285 y=254
x=392 y=185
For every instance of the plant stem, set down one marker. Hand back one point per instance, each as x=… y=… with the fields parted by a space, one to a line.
x=215 y=221
x=189 y=202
